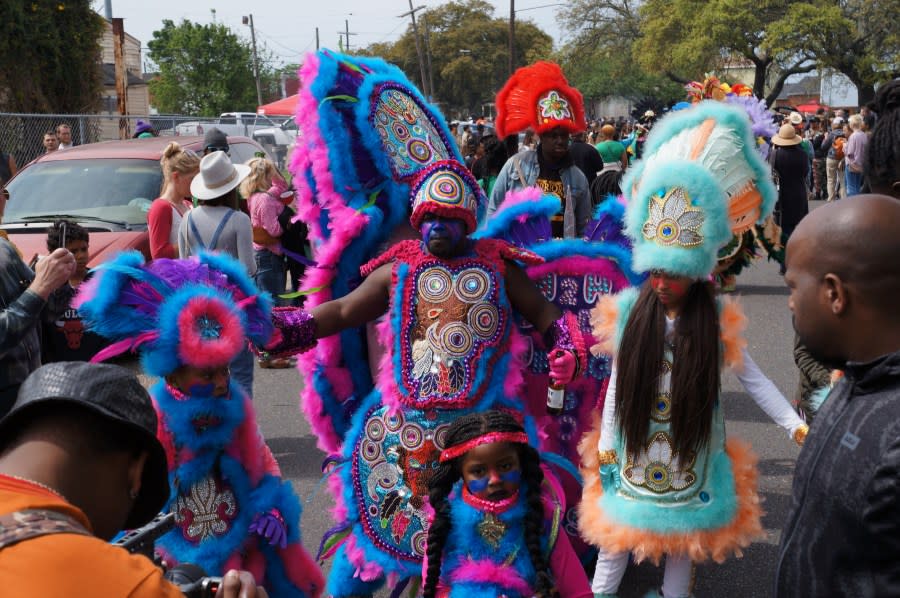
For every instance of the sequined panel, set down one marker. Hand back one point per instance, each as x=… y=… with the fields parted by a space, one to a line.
x=206 y=510
x=452 y=320
x=410 y=139
x=396 y=457
x=658 y=470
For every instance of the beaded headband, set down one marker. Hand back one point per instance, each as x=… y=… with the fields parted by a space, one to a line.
x=453 y=452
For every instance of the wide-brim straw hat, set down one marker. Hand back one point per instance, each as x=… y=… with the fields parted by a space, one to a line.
x=787 y=135
x=217 y=176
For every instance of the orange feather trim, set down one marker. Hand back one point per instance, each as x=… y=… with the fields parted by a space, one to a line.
x=732 y=323
x=604 y=320
x=700 y=545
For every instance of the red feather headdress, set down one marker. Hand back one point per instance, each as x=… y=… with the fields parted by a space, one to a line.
x=540 y=97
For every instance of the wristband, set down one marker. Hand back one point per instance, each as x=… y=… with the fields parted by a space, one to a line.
x=295 y=332
x=608 y=457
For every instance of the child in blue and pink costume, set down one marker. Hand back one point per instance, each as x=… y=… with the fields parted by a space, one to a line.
x=188 y=319
x=496 y=529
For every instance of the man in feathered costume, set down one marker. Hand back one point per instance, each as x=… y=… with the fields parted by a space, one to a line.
x=374 y=154
x=188 y=319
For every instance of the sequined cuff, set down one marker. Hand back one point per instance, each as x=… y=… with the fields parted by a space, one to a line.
x=566 y=335
x=295 y=332
x=607 y=457
x=800 y=434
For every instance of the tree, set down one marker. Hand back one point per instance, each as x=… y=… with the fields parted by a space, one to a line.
x=203 y=70
x=50 y=56
x=599 y=60
x=469 y=53
x=685 y=38
x=859 y=38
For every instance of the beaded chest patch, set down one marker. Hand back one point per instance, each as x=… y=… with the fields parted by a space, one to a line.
x=394 y=460
x=207 y=510
x=658 y=469
x=451 y=333
x=409 y=137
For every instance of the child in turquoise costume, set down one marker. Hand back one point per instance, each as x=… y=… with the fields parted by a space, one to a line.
x=188 y=319
x=374 y=156
x=662 y=479
x=496 y=525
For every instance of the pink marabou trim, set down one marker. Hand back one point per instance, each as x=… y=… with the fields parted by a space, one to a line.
x=165 y=438
x=459 y=450
x=193 y=349
x=518 y=345
x=302 y=570
x=365 y=570
x=521 y=196
x=389 y=392
x=489 y=572
x=580 y=265
x=339 y=510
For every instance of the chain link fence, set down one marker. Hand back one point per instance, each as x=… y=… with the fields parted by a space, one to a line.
x=22 y=135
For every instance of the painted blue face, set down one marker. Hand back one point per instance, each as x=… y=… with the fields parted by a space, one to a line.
x=442 y=235
x=479 y=485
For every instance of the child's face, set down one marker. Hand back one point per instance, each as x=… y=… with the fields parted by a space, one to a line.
x=80 y=250
x=492 y=471
x=201 y=382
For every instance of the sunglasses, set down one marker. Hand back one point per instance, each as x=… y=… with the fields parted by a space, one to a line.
x=214 y=148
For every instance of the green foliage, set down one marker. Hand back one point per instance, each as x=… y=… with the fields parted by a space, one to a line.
x=469 y=53
x=50 y=56
x=598 y=60
x=859 y=38
x=203 y=70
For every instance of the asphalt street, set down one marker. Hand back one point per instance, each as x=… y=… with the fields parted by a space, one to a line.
x=770 y=342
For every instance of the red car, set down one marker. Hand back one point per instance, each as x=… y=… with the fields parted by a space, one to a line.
x=106 y=187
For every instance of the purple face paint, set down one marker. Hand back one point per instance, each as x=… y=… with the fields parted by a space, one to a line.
x=453 y=230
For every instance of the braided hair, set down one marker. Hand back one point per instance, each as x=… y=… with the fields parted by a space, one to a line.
x=462 y=430
x=882 y=155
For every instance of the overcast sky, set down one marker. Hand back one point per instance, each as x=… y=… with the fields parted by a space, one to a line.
x=289 y=28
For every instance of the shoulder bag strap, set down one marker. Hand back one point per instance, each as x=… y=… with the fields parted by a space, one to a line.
x=33 y=523
x=195 y=231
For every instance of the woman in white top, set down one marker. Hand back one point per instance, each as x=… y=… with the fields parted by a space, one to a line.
x=179 y=167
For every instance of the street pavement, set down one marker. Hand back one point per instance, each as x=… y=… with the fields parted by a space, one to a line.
x=770 y=342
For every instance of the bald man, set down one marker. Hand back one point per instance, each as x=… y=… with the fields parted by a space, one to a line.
x=843 y=534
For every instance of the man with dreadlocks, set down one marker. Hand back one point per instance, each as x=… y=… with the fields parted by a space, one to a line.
x=881 y=167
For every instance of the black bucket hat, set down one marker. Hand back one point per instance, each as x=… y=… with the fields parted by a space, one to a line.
x=113 y=392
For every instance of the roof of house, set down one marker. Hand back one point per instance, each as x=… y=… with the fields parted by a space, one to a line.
x=806 y=86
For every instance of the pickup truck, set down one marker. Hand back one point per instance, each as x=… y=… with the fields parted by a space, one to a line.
x=231 y=123
x=278 y=141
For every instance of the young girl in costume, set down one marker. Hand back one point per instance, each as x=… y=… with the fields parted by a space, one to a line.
x=663 y=479
x=496 y=527
x=189 y=318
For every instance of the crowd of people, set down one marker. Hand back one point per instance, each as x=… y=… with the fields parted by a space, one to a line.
x=449 y=264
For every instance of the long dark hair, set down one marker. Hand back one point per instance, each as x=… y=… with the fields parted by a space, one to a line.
x=695 y=372
x=461 y=430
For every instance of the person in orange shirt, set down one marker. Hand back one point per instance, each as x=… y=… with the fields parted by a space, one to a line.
x=79 y=460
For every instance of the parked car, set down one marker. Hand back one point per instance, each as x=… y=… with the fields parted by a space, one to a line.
x=278 y=141
x=106 y=187
x=230 y=123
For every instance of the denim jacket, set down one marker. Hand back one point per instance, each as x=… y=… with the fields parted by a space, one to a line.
x=574 y=181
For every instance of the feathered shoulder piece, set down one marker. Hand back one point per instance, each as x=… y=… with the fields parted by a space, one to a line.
x=194 y=312
x=539 y=96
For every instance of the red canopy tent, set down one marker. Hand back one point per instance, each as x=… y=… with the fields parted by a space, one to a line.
x=811 y=107
x=283 y=107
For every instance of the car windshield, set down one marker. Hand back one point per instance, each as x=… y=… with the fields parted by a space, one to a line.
x=110 y=189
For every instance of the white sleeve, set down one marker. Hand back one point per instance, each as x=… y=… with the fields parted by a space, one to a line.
x=767 y=395
x=608 y=419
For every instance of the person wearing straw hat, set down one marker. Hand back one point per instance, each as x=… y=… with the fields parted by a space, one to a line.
x=790 y=166
x=216 y=224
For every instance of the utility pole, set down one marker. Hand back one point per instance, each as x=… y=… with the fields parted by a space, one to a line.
x=346 y=33
x=317 y=39
x=107 y=10
x=118 y=31
x=512 y=36
x=428 y=58
x=248 y=20
x=412 y=14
